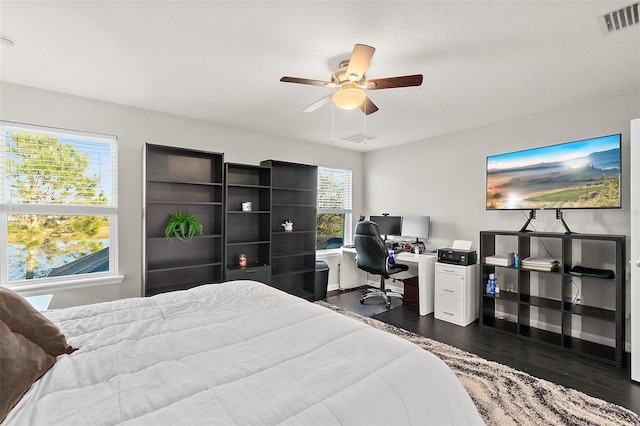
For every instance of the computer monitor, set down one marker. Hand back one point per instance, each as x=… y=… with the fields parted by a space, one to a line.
x=389 y=225
x=416 y=227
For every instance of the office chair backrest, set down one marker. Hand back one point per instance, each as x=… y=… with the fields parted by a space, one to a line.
x=371 y=251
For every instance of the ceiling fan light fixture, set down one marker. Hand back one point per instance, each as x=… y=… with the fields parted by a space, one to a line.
x=349 y=97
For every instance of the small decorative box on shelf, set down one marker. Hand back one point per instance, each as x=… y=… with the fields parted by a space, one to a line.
x=507 y=260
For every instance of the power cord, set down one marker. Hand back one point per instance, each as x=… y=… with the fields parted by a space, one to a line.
x=508 y=316
x=576 y=298
x=540 y=239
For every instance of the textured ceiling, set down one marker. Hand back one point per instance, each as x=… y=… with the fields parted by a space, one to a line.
x=483 y=61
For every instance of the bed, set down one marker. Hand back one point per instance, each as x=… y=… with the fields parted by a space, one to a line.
x=239 y=352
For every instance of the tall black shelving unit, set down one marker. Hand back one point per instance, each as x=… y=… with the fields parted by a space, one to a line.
x=191 y=181
x=247 y=232
x=293 y=253
x=560 y=308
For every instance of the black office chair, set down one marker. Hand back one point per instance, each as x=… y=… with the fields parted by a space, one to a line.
x=372 y=256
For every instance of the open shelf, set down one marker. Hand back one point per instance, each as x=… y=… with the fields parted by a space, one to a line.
x=541 y=335
x=502 y=325
x=591 y=349
x=542 y=302
x=173 y=287
x=248 y=233
x=293 y=254
x=276 y=255
x=179 y=266
x=198 y=237
x=187 y=203
x=190 y=181
x=590 y=311
x=544 y=298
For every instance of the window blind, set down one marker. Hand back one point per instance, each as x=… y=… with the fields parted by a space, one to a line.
x=44 y=167
x=334 y=190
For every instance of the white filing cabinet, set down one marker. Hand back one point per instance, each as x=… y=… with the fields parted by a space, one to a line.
x=456 y=293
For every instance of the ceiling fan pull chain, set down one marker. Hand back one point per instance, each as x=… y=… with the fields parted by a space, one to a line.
x=332 y=136
x=364 y=132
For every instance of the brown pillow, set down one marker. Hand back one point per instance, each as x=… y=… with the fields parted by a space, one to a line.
x=21 y=317
x=30 y=343
x=22 y=362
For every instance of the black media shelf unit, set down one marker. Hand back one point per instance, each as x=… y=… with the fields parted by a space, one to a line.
x=544 y=305
x=191 y=181
x=248 y=233
x=293 y=254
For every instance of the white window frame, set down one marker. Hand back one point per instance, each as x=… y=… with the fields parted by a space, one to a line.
x=346 y=207
x=44 y=285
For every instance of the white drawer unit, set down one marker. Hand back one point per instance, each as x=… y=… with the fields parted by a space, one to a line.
x=456 y=293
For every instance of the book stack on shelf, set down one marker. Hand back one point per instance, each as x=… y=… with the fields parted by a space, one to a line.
x=541 y=264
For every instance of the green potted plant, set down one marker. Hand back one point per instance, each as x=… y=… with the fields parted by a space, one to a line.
x=182 y=226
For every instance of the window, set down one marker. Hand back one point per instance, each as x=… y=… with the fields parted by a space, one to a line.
x=334 y=207
x=58 y=208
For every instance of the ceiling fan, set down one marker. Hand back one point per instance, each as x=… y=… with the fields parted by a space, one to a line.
x=350 y=80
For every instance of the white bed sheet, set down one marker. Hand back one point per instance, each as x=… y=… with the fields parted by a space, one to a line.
x=237 y=353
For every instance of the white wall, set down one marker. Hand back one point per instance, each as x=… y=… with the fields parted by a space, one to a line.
x=134 y=128
x=444 y=176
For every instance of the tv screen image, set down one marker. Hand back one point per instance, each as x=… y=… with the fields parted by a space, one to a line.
x=583 y=174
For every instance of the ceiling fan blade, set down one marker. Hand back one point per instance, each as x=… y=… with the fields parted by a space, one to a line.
x=317 y=104
x=368 y=107
x=286 y=79
x=359 y=61
x=391 y=82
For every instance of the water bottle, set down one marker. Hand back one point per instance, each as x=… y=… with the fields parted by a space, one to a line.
x=492 y=283
x=516 y=261
x=392 y=259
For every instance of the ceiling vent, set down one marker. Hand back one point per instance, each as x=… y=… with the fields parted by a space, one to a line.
x=619 y=19
x=358 y=138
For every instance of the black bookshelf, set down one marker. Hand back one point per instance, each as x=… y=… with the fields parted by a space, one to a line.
x=191 y=181
x=519 y=306
x=293 y=253
x=248 y=230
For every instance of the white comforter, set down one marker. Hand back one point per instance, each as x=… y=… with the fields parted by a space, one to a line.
x=237 y=353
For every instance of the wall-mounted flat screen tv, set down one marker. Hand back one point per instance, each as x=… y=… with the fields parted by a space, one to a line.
x=583 y=174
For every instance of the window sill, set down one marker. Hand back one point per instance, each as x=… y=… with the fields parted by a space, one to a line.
x=328 y=252
x=43 y=287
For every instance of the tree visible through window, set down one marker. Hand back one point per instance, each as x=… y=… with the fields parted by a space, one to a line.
x=58 y=203
x=334 y=207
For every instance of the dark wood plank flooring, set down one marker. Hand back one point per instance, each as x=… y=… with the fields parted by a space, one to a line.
x=594 y=378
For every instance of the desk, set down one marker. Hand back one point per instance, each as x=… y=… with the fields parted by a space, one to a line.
x=422 y=265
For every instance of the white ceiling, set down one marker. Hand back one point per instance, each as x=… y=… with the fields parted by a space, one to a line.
x=483 y=61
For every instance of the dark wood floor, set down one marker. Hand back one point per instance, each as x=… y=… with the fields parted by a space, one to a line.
x=594 y=378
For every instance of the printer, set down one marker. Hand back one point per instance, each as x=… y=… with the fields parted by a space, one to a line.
x=455 y=256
